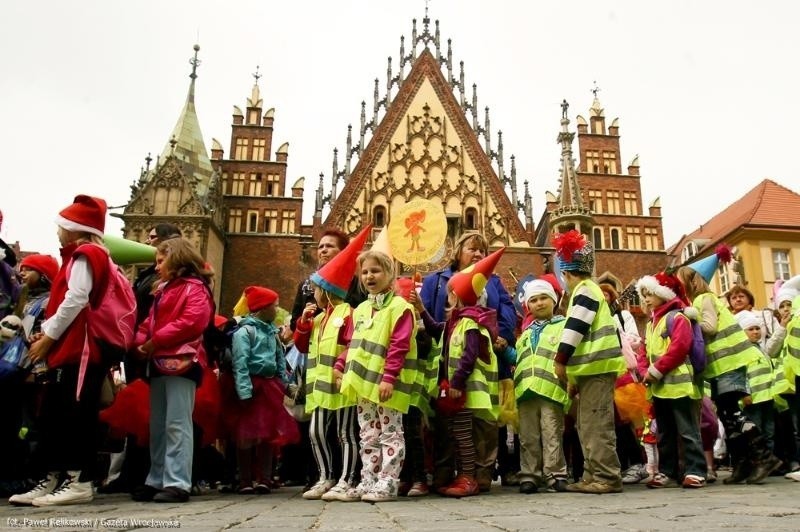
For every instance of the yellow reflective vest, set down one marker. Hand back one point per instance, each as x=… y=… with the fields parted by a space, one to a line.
x=535 y=370
x=482 y=387
x=323 y=349
x=366 y=356
x=680 y=381
x=599 y=352
x=728 y=348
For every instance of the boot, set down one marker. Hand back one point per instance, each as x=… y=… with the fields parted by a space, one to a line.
x=762 y=469
x=45 y=486
x=741 y=471
x=71 y=491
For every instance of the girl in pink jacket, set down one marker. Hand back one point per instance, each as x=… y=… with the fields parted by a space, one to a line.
x=171 y=337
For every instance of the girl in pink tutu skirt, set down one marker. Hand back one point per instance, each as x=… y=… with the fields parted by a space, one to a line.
x=259 y=372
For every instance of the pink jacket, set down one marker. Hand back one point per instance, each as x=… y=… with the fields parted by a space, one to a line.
x=180 y=313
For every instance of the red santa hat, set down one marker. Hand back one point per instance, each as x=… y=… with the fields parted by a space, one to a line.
x=468 y=284
x=663 y=285
x=46 y=265
x=87 y=214
x=258 y=297
x=336 y=275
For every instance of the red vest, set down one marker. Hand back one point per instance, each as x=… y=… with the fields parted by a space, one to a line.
x=67 y=350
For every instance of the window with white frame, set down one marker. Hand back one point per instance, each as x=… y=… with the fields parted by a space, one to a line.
x=252 y=221
x=234 y=220
x=780 y=262
x=724 y=278
x=596 y=201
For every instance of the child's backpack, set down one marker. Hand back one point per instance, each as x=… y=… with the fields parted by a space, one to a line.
x=697 y=351
x=112 y=323
x=219 y=343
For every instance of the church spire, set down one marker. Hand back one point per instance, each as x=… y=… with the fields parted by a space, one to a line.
x=186 y=141
x=571 y=213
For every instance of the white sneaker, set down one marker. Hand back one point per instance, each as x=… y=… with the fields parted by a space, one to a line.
x=69 y=492
x=794 y=475
x=44 y=487
x=338 y=493
x=319 y=489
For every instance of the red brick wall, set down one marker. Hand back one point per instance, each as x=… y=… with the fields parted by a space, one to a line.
x=274 y=261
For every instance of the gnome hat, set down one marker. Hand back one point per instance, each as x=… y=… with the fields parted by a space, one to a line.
x=707 y=266
x=337 y=274
x=573 y=252
x=87 y=214
x=663 y=285
x=46 y=265
x=382 y=244
x=468 y=284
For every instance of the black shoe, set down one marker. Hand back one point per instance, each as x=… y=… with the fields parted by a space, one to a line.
x=171 y=494
x=558 y=486
x=762 y=469
x=528 y=487
x=262 y=488
x=144 y=493
x=740 y=472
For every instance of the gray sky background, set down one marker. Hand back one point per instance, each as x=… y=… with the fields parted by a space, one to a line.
x=706 y=92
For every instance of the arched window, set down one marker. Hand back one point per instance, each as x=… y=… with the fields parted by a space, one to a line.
x=379 y=216
x=471 y=219
x=597 y=237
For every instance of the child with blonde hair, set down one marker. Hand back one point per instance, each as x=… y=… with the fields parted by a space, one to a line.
x=378 y=371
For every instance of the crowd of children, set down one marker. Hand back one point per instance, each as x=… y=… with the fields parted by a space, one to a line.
x=403 y=389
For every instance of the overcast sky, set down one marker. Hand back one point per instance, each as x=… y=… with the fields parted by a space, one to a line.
x=706 y=92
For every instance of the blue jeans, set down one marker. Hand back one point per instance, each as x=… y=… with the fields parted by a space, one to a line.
x=171 y=435
x=679 y=427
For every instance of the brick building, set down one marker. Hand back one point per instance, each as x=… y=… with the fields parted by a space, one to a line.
x=424 y=139
x=605 y=203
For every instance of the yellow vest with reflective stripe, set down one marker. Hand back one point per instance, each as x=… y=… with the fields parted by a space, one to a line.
x=780 y=384
x=599 y=352
x=366 y=356
x=535 y=369
x=680 y=381
x=420 y=391
x=482 y=387
x=323 y=349
x=760 y=379
x=791 y=360
x=729 y=348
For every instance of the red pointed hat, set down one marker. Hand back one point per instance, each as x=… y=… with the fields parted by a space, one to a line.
x=468 y=284
x=336 y=275
x=87 y=214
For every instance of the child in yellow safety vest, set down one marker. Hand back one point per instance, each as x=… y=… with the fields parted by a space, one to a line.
x=728 y=353
x=468 y=368
x=324 y=337
x=672 y=386
x=541 y=398
x=378 y=370
x=759 y=406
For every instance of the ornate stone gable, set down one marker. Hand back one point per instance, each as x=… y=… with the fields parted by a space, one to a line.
x=425 y=148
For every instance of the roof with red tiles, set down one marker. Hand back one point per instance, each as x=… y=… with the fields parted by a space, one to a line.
x=768 y=205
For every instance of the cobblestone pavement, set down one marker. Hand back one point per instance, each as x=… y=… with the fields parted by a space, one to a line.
x=774 y=505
